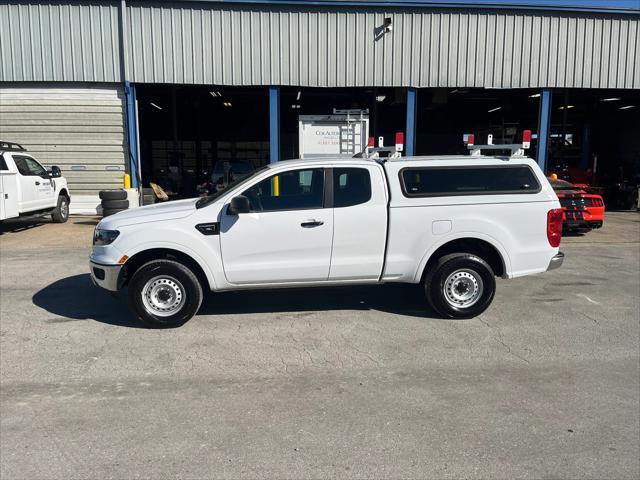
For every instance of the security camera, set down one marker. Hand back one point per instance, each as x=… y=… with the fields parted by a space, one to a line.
x=387 y=25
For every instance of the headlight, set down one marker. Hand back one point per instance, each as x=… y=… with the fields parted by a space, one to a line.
x=104 y=237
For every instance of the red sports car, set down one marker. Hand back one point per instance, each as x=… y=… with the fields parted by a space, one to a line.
x=582 y=210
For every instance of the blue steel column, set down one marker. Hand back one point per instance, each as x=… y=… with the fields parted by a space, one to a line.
x=274 y=123
x=412 y=101
x=132 y=133
x=544 y=128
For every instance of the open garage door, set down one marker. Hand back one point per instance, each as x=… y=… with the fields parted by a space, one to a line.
x=195 y=137
x=81 y=130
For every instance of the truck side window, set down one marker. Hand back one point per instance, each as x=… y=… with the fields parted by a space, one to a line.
x=293 y=190
x=3 y=163
x=481 y=180
x=28 y=166
x=351 y=186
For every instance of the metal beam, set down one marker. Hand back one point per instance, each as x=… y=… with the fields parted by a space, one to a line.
x=274 y=123
x=544 y=127
x=410 y=140
x=132 y=134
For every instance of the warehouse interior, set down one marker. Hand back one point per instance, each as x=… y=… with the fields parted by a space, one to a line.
x=385 y=107
x=185 y=130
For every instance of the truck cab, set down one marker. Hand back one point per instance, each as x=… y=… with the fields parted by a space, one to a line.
x=28 y=188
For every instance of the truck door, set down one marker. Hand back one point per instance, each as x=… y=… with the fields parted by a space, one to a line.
x=287 y=235
x=36 y=188
x=359 y=223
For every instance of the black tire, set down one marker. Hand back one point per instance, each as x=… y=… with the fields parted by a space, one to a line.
x=61 y=213
x=115 y=204
x=110 y=211
x=113 y=195
x=473 y=273
x=174 y=273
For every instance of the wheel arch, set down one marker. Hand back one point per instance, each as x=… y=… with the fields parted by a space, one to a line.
x=64 y=191
x=486 y=248
x=137 y=260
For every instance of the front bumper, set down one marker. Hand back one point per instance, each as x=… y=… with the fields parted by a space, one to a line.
x=556 y=261
x=105 y=276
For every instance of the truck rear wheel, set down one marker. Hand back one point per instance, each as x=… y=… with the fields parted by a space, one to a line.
x=61 y=213
x=164 y=293
x=460 y=285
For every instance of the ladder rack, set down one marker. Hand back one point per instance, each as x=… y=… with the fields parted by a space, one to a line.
x=517 y=149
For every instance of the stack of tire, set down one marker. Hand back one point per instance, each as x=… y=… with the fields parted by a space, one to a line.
x=148 y=197
x=113 y=201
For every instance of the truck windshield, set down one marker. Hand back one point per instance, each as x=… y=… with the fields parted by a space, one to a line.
x=209 y=199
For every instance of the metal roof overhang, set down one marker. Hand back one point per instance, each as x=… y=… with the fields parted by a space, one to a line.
x=593 y=6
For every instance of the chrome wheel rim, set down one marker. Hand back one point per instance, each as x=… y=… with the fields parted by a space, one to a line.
x=64 y=209
x=463 y=288
x=163 y=296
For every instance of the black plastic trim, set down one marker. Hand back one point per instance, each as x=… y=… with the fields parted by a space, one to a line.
x=328 y=188
x=212 y=228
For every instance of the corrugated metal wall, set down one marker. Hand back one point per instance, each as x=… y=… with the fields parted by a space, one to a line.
x=343 y=47
x=228 y=44
x=66 y=42
x=80 y=130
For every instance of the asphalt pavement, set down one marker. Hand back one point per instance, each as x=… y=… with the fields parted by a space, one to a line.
x=357 y=382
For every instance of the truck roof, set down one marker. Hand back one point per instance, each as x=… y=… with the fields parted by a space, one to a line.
x=458 y=158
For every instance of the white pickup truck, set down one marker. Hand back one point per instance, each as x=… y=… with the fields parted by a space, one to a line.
x=27 y=188
x=451 y=223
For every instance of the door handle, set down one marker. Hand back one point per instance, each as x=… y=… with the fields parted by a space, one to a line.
x=311 y=223
x=37 y=183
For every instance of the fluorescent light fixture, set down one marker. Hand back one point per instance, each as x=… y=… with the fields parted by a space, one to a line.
x=380 y=98
x=298 y=96
x=215 y=93
x=535 y=95
x=494 y=109
x=611 y=99
x=155 y=106
x=455 y=90
x=566 y=107
x=626 y=107
x=295 y=106
x=227 y=104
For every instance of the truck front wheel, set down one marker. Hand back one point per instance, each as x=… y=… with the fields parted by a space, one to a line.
x=164 y=293
x=61 y=212
x=460 y=285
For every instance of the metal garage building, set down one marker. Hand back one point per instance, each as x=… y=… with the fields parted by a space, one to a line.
x=80 y=79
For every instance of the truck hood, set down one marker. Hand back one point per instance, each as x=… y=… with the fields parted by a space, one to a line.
x=150 y=213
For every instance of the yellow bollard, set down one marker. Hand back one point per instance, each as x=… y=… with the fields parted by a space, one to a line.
x=276 y=186
x=127 y=180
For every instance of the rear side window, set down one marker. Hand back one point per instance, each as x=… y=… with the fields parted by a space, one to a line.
x=3 y=163
x=447 y=181
x=351 y=186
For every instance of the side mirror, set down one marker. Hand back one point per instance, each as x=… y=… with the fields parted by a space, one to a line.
x=238 y=205
x=55 y=172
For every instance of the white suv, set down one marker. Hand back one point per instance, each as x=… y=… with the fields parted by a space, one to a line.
x=452 y=223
